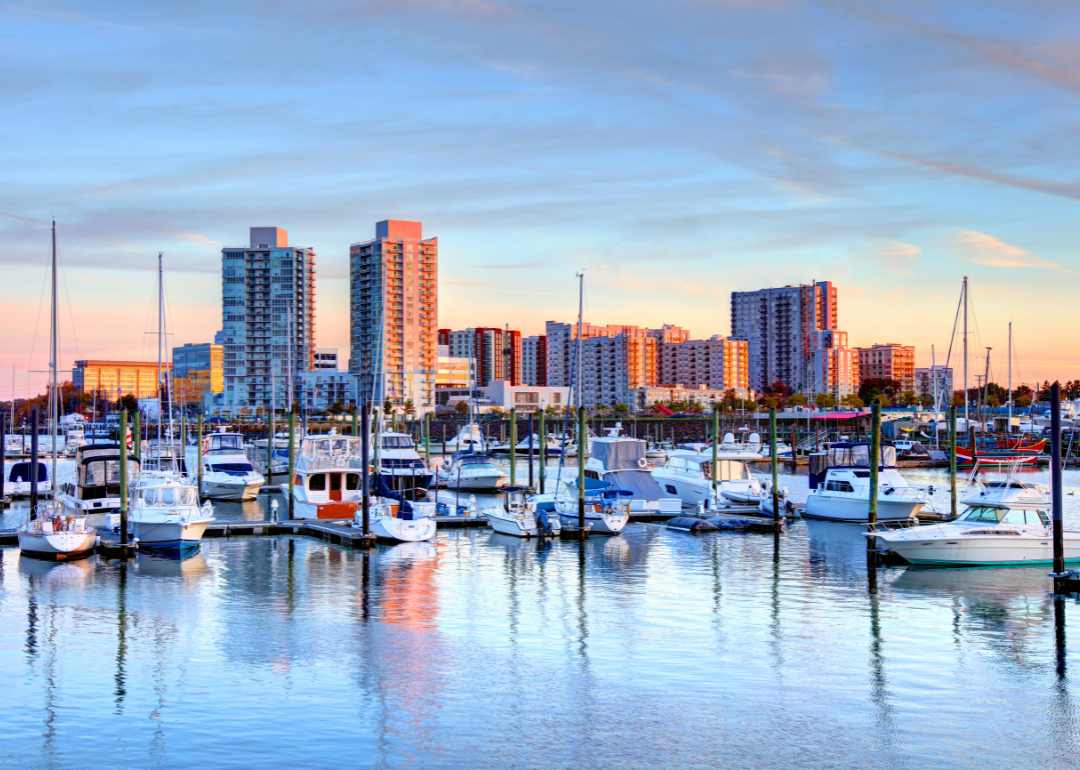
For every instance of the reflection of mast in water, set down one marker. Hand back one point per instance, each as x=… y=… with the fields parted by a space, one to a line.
x=776 y=640
x=121 y=639
x=879 y=683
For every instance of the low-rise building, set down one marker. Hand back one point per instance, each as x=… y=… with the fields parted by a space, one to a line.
x=933 y=379
x=890 y=361
x=198 y=372
x=113 y=379
x=644 y=398
x=525 y=398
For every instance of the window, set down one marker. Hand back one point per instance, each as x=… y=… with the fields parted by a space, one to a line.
x=352 y=481
x=983 y=513
x=317 y=483
x=335 y=482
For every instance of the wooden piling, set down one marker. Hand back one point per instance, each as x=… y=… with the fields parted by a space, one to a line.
x=1060 y=578
x=123 y=479
x=365 y=476
x=952 y=460
x=774 y=462
x=513 y=446
x=543 y=451
x=292 y=459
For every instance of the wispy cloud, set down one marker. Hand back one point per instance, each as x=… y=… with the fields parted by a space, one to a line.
x=897 y=258
x=982 y=249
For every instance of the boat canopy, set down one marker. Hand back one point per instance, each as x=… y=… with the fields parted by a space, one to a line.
x=330 y=446
x=21 y=472
x=641 y=484
x=619 y=454
x=472 y=459
x=224 y=442
x=845 y=455
x=396 y=441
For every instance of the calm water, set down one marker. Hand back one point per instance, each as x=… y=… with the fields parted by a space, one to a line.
x=653 y=649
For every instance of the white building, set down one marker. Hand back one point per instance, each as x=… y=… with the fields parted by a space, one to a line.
x=834 y=367
x=525 y=398
x=325 y=359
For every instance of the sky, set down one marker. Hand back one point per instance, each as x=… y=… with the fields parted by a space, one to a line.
x=675 y=151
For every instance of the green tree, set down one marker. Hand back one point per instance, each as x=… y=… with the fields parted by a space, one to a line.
x=335 y=408
x=496 y=410
x=796 y=399
x=958 y=400
x=621 y=409
x=461 y=407
x=769 y=402
x=1023 y=401
x=874 y=387
x=409 y=407
x=852 y=400
x=129 y=402
x=992 y=401
x=908 y=398
x=825 y=401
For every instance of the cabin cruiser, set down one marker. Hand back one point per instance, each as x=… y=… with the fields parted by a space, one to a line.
x=73 y=439
x=551 y=446
x=57 y=533
x=473 y=472
x=607 y=510
x=328 y=478
x=165 y=512
x=840 y=486
x=400 y=466
x=782 y=450
x=1007 y=522
x=395 y=518
x=468 y=439
x=688 y=476
x=227 y=473
x=96 y=491
x=21 y=475
x=747 y=450
x=281 y=441
x=619 y=462
x=518 y=517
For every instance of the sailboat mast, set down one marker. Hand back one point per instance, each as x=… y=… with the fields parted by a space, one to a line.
x=965 y=352
x=1009 y=395
x=161 y=314
x=53 y=349
x=581 y=303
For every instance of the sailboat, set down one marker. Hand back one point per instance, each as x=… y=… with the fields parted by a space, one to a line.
x=53 y=530
x=165 y=510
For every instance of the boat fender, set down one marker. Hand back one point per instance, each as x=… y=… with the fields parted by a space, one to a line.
x=889 y=490
x=642 y=463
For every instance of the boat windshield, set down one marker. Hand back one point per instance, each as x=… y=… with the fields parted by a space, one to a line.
x=859 y=455
x=332 y=447
x=228 y=442
x=99 y=473
x=476 y=462
x=986 y=514
x=162 y=496
x=397 y=442
x=233 y=469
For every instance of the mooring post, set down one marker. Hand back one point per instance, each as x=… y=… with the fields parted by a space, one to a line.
x=198 y=456
x=952 y=459
x=775 y=464
x=794 y=439
x=543 y=451
x=530 y=450
x=292 y=459
x=1060 y=581
x=875 y=463
x=123 y=478
x=715 y=449
x=33 y=463
x=136 y=432
x=513 y=446
x=365 y=439
x=581 y=468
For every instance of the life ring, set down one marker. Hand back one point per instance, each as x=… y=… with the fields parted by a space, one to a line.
x=642 y=463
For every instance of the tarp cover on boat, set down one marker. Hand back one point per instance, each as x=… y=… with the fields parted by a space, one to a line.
x=618 y=455
x=640 y=483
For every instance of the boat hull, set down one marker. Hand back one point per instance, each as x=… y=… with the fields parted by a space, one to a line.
x=403 y=530
x=605 y=524
x=513 y=527
x=168 y=535
x=227 y=490
x=475 y=483
x=836 y=508
x=57 y=546
x=984 y=551
x=688 y=489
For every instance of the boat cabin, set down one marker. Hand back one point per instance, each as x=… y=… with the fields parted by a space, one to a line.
x=222 y=443
x=329 y=468
x=985 y=514
x=851 y=456
x=23 y=472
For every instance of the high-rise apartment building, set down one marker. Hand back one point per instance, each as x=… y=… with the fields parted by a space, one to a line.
x=935 y=379
x=778 y=323
x=834 y=367
x=612 y=367
x=562 y=348
x=268 y=320
x=497 y=352
x=889 y=362
x=534 y=360
x=719 y=362
x=393 y=303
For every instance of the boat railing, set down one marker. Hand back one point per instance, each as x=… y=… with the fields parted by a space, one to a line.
x=343 y=462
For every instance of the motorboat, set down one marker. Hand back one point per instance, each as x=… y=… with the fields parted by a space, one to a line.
x=619 y=462
x=765 y=502
x=747 y=449
x=57 y=533
x=227 y=473
x=910 y=450
x=21 y=475
x=658 y=450
x=399 y=520
x=328 y=478
x=280 y=441
x=687 y=475
x=472 y=472
x=518 y=517
x=742 y=486
x=400 y=466
x=607 y=511
x=550 y=446
x=469 y=440
x=96 y=490
x=840 y=486
x=451 y=503
x=165 y=512
x=782 y=450
x=73 y=439
x=1006 y=523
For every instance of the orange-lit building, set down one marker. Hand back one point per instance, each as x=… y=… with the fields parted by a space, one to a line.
x=890 y=361
x=118 y=378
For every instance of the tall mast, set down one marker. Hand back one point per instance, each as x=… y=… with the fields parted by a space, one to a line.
x=53 y=354
x=581 y=303
x=1009 y=396
x=161 y=316
x=965 y=352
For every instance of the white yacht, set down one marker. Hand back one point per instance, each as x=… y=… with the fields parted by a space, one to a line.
x=399 y=520
x=469 y=439
x=227 y=473
x=747 y=449
x=400 y=467
x=619 y=461
x=57 y=533
x=782 y=450
x=96 y=490
x=518 y=517
x=21 y=475
x=1007 y=522
x=551 y=446
x=607 y=511
x=688 y=476
x=328 y=483
x=472 y=472
x=280 y=441
x=165 y=512
x=840 y=486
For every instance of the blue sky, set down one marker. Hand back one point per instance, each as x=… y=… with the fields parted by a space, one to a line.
x=676 y=151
